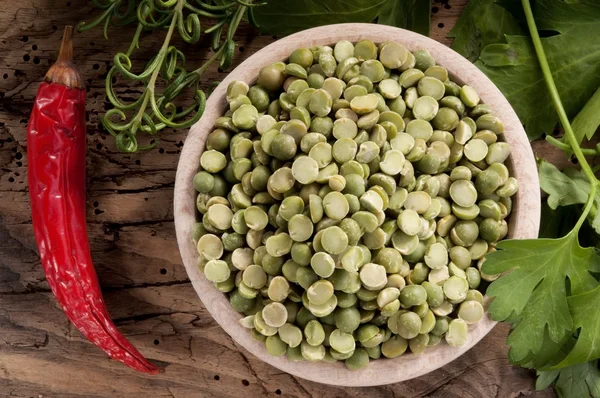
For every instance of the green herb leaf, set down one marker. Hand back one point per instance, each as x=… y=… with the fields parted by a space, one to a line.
x=414 y=15
x=541 y=324
x=501 y=54
x=549 y=354
x=540 y=269
x=568 y=188
x=289 y=16
x=587 y=120
x=594 y=215
x=545 y=379
x=573 y=55
x=586 y=318
x=563 y=190
x=578 y=381
x=481 y=23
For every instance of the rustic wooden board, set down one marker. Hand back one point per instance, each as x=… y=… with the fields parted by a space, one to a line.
x=130 y=222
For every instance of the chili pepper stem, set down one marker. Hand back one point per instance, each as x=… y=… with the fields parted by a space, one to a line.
x=63 y=72
x=65 y=54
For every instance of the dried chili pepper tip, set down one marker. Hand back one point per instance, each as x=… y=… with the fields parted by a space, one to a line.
x=63 y=71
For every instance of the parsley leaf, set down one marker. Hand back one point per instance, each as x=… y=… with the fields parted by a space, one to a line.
x=540 y=269
x=407 y=14
x=545 y=378
x=491 y=33
x=563 y=190
x=288 y=16
x=577 y=381
x=584 y=310
x=573 y=55
x=481 y=23
x=568 y=188
x=587 y=120
x=547 y=291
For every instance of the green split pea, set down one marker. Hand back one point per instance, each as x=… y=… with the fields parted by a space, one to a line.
x=347 y=200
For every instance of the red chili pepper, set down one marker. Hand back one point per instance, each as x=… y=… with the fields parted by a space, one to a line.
x=56 y=156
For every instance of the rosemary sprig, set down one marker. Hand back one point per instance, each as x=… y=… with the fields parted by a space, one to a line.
x=155 y=109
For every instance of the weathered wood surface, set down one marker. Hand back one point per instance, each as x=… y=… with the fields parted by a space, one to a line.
x=130 y=222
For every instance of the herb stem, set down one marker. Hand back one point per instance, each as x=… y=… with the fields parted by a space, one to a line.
x=235 y=22
x=161 y=55
x=567 y=148
x=212 y=59
x=135 y=41
x=560 y=110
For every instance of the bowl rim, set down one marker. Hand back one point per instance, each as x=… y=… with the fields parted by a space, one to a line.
x=525 y=218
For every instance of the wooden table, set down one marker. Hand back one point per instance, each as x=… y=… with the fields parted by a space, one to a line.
x=130 y=222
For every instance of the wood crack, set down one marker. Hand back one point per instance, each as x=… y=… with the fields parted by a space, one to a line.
x=300 y=386
x=249 y=366
x=144 y=317
x=170 y=392
x=448 y=381
x=105 y=288
x=31 y=290
x=127 y=223
x=132 y=191
x=144 y=285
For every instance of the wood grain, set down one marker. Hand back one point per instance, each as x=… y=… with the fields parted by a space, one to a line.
x=130 y=223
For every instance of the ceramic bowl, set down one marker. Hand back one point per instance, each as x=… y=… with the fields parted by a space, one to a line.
x=524 y=220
